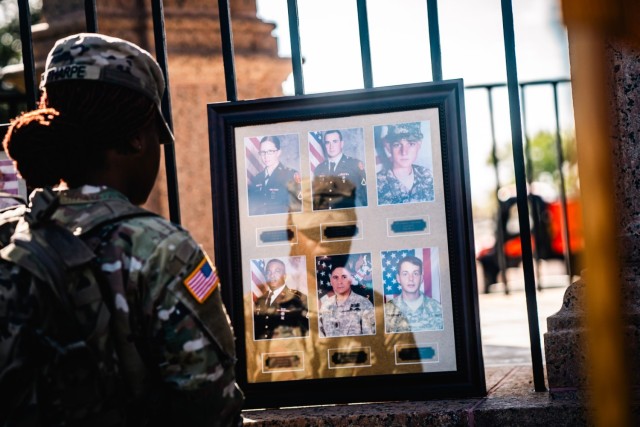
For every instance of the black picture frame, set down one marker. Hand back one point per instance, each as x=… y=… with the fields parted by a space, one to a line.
x=443 y=220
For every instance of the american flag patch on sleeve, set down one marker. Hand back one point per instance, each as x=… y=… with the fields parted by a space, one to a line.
x=202 y=280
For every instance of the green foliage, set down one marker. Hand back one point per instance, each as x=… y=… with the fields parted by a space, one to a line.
x=543 y=152
x=543 y=159
x=11 y=48
x=10 y=44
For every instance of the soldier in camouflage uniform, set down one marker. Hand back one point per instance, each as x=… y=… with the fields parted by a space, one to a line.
x=345 y=312
x=403 y=181
x=412 y=311
x=281 y=312
x=339 y=182
x=97 y=136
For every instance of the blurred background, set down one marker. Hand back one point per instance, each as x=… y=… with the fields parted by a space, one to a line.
x=473 y=49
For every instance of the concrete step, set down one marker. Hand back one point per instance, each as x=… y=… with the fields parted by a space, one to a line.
x=510 y=401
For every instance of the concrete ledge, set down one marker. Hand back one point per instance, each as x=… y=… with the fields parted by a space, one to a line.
x=510 y=401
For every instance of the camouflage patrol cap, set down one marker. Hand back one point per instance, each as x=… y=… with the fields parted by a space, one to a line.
x=92 y=56
x=409 y=131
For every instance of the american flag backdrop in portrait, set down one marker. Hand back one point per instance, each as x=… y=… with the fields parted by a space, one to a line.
x=296 y=274
x=252 y=152
x=316 y=153
x=430 y=271
x=257 y=278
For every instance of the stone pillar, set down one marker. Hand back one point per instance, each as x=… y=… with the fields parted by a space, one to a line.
x=196 y=77
x=624 y=59
x=565 y=342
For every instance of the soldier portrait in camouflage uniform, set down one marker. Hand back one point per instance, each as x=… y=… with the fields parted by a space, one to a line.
x=412 y=310
x=339 y=181
x=402 y=179
x=276 y=188
x=166 y=337
x=280 y=312
x=347 y=309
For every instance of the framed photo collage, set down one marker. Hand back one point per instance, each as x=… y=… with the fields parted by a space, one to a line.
x=343 y=239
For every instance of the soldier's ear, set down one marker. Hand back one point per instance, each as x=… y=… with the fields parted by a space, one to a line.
x=132 y=147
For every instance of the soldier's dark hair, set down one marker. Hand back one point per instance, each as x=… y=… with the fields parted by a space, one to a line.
x=76 y=122
x=276 y=260
x=411 y=260
x=340 y=261
x=331 y=131
x=274 y=139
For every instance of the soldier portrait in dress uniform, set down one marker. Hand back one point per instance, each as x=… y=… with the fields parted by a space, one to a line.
x=280 y=312
x=339 y=180
x=411 y=310
x=406 y=173
x=276 y=187
x=347 y=308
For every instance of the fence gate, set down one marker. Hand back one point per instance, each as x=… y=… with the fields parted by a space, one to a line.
x=16 y=101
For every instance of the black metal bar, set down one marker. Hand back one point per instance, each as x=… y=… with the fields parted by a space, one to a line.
x=530 y=83
x=365 y=44
x=527 y=140
x=521 y=187
x=28 y=62
x=227 y=50
x=296 y=53
x=434 y=40
x=563 y=193
x=169 y=149
x=535 y=215
x=502 y=262
x=91 y=15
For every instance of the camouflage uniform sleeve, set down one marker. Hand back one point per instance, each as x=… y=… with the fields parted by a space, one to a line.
x=368 y=319
x=434 y=313
x=190 y=329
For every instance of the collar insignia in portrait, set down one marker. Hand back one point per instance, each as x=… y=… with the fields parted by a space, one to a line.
x=202 y=281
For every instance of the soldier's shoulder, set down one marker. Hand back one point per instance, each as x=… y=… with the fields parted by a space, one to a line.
x=390 y=306
x=391 y=303
x=326 y=300
x=290 y=173
x=350 y=159
x=432 y=303
x=363 y=300
x=354 y=163
x=294 y=293
x=422 y=170
x=153 y=227
x=282 y=167
x=147 y=235
x=383 y=174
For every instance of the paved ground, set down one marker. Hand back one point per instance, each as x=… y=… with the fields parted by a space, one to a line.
x=503 y=318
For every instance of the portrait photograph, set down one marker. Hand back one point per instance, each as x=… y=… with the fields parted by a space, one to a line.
x=412 y=298
x=345 y=295
x=404 y=164
x=337 y=165
x=279 y=292
x=273 y=174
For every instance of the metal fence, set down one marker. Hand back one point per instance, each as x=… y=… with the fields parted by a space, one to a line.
x=516 y=93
